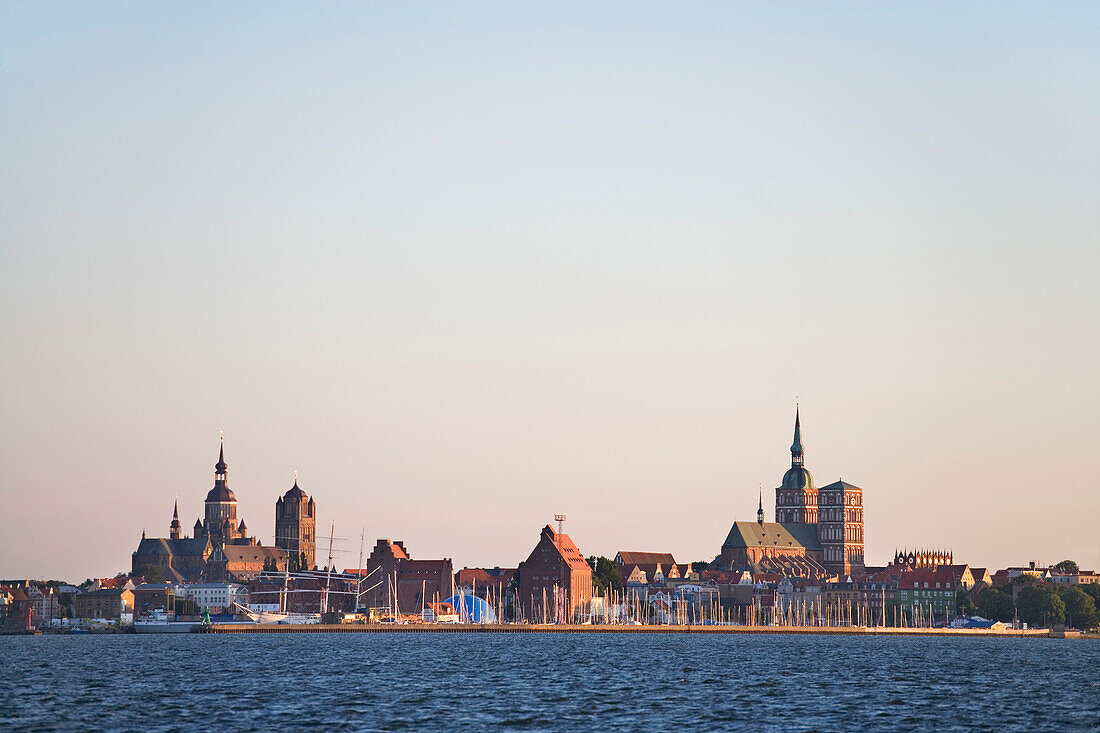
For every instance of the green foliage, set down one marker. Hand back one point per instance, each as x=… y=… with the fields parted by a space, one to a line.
x=1066 y=566
x=151 y=573
x=1093 y=590
x=995 y=605
x=1040 y=605
x=1080 y=609
x=699 y=566
x=964 y=605
x=605 y=574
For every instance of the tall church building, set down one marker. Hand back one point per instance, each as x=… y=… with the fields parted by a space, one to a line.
x=296 y=524
x=220 y=524
x=815 y=529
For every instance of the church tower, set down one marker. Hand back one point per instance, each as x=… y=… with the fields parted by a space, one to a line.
x=796 y=497
x=221 y=506
x=174 y=529
x=296 y=524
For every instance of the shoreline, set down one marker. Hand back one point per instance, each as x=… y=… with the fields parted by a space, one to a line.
x=615 y=629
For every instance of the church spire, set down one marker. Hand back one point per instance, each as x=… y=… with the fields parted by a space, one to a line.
x=796 y=446
x=221 y=468
x=760 y=508
x=175 y=529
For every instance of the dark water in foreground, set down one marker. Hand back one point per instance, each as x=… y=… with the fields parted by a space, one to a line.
x=545 y=681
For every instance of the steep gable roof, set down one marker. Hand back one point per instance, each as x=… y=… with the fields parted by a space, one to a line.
x=772 y=534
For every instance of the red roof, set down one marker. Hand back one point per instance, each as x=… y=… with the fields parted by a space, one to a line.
x=565 y=547
x=919 y=579
x=484 y=576
x=665 y=559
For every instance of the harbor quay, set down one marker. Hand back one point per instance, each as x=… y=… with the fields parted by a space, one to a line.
x=619 y=629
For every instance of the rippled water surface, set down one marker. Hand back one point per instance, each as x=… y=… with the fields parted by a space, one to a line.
x=545 y=681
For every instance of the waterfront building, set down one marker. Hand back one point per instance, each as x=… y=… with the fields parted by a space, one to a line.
x=817 y=530
x=296 y=526
x=926 y=593
x=555 y=582
x=148 y=597
x=16 y=609
x=215 y=597
x=115 y=605
x=395 y=578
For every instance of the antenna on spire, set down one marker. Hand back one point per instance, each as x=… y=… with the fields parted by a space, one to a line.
x=560 y=519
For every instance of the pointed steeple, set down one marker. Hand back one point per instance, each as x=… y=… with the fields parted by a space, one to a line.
x=760 y=508
x=174 y=529
x=220 y=468
x=796 y=446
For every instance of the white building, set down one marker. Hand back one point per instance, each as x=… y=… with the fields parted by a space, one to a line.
x=215 y=597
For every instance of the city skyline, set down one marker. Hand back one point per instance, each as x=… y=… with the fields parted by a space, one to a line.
x=467 y=268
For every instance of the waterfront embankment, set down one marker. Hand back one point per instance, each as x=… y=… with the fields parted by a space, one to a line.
x=609 y=629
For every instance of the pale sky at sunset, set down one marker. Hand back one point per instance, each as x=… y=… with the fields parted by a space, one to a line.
x=464 y=266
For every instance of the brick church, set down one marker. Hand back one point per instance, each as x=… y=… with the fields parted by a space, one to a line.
x=817 y=532
x=222 y=548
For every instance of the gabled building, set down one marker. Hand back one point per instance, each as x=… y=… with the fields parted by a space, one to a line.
x=657 y=566
x=555 y=582
x=394 y=578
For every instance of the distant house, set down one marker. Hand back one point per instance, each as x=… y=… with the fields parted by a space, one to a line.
x=657 y=566
x=492 y=584
x=555 y=584
x=982 y=578
x=964 y=576
x=113 y=604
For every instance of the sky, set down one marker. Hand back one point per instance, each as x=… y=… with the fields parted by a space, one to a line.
x=464 y=266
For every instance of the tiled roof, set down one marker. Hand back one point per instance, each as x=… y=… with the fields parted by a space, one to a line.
x=773 y=534
x=629 y=557
x=565 y=547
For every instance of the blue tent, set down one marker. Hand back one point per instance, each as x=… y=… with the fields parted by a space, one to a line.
x=472 y=610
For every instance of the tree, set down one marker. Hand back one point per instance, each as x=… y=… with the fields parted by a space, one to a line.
x=605 y=574
x=151 y=573
x=303 y=564
x=964 y=605
x=995 y=605
x=1040 y=605
x=1067 y=566
x=699 y=566
x=1093 y=590
x=1080 y=609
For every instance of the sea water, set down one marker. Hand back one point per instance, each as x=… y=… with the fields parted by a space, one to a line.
x=600 y=682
